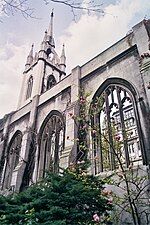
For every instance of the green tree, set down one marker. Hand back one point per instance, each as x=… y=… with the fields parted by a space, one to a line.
x=68 y=199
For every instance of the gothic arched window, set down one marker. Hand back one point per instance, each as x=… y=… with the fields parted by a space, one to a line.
x=50 y=82
x=12 y=157
x=116 y=127
x=51 y=143
x=29 y=87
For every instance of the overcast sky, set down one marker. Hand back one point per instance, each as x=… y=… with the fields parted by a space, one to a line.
x=83 y=40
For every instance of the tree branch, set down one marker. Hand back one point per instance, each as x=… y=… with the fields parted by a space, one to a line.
x=11 y=7
x=89 y=7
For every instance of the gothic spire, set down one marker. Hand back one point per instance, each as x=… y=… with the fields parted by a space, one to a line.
x=29 y=58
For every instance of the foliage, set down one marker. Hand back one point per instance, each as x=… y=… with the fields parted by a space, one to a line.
x=12 y=7
x=77 y=198
x=130 y=195
x=69 y=198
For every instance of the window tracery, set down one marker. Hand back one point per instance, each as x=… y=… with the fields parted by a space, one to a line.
x=116 y=120
x=51 y=144
x=13 y=156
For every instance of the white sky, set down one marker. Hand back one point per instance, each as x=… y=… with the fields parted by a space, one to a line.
x=83 y=40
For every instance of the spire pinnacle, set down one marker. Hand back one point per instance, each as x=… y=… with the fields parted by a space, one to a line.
x=63 y=50
x=31 y=51
x=63 y=59
x=29 y=58
x=43 y=43
x=45 y=36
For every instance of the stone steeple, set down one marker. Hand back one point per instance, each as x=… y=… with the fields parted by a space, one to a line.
x=40 y=65
x=48 y=44
x=47 y=50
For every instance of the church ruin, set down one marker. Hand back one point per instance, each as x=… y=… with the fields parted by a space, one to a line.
x=40 y=135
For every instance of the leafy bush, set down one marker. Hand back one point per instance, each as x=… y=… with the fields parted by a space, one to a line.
x=66 y=199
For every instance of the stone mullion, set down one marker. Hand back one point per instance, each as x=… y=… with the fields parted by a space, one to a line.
x=99 y=145
x=94 y=147
x=48 y=153
x=42 y=155
x=112 y=95
x=123 y=127
x=16 y=152
x=110 y=137
x=45 y=156
x=56 y=153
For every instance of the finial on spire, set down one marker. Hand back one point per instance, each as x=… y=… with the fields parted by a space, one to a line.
x=52 y=13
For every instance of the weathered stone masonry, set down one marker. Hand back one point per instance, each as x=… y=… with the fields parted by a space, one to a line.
x=43 y=120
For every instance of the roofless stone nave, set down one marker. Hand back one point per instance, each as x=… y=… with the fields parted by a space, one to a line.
x=34 y=138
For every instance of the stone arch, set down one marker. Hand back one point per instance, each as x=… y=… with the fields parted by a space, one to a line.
x=51 y=143
x=117 y=118
x=13 y=157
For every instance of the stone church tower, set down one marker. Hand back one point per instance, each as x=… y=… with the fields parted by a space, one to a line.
x=41 y=134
